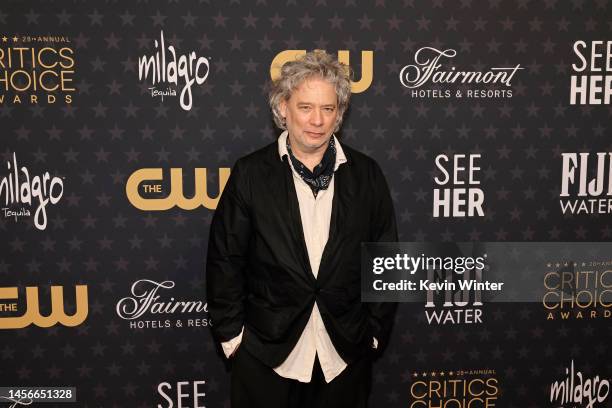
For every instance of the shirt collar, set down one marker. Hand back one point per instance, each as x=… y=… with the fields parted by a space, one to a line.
x=282 y=149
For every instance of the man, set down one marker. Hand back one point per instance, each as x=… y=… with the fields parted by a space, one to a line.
x=283 y=267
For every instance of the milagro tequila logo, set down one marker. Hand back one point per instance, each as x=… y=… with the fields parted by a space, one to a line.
x=429 y=70
x=578 y=390
x=173 y=71
x=18 y=188
x=146 y=300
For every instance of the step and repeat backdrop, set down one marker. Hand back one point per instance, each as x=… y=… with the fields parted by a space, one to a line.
x=121 y=122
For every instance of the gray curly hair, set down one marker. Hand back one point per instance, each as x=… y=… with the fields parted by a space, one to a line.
x=314 y=64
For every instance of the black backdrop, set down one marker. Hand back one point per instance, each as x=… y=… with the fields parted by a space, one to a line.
x=111 y=127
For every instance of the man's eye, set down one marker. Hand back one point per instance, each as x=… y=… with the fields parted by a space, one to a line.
x=329 y=109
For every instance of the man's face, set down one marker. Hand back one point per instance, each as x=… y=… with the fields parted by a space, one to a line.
x=311 y=114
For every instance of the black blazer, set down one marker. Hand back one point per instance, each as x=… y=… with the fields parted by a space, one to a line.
x=257 y=270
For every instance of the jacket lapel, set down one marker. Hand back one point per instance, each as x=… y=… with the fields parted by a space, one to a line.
x=295 y=221
x=344 y=193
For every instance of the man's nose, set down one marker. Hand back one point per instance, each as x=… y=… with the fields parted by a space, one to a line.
x=316 y=118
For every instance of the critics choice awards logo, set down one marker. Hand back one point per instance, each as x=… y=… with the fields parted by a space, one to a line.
x=433 y=75
x=578 y=290
x=20 y=191
x=591 y=82
x=36 y=69
x=169 y=72
x=151 y=305
x=586 y=179
x=454 y=389
x=146 y=190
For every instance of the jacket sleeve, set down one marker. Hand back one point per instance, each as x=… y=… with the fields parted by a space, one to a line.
x=226 y=262
x=383 y=229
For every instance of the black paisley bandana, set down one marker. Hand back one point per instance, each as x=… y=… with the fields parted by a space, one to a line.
x=319 y=178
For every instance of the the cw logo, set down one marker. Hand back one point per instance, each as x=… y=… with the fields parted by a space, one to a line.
x=57 y=315
x=367 y=66
x=176 y=197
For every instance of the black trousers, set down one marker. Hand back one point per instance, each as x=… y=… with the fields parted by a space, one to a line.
x=255 y=385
